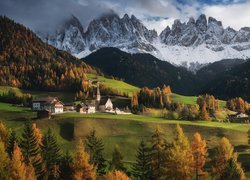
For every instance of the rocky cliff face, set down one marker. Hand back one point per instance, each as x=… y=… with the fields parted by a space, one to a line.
x=186 y=43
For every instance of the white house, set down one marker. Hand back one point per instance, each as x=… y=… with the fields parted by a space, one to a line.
x=51 y=104
x=241 y=115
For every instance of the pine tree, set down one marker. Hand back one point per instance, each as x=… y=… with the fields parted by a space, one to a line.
x=82 y=169
x=199 y=151
x=116 y=161
x=94 y=146
x=233 y=170
x=3 y=134
x=116 y=175
x=50 y=153
x=158 y=154
x=31 y=149
x=223 y=153
x=180 y=158
x=4 y=162
x=65 y=166
x=142 y=167
x=11 y=142
x=17 y=165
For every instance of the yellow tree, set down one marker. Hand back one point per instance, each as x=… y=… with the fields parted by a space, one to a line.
x=4 y=162
x=223 y=153
x=180 y=158
x=116 y=175
x=37 y=134
x=3 y=134
x=82 y=169
x=199 y=150
x=17 y=165
x=134 y=100
x=203 y=111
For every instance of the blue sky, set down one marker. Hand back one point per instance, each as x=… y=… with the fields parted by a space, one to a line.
x=156 y=14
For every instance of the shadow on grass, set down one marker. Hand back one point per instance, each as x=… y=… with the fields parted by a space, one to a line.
x=67 y=131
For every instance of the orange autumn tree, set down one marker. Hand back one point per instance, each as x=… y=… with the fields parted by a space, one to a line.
x=18 y=169
x=223 y=153
x=116 y=175
x=37 y=134
x=4 y=162
x=199 y=150
x=82 y=169
x=180 y=158
x=134 y=100
x=3 y=134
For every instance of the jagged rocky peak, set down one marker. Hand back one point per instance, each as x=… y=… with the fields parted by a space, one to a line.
x=191 y=21
x=214 y=21
x=201 y=23
x=73 y=21
x=165 y=33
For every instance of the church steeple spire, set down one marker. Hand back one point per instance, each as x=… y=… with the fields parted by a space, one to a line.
x=98 y=94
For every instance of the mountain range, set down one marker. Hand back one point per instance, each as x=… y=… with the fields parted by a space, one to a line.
x=29 y=63
x=224 y=79
x=191 y=44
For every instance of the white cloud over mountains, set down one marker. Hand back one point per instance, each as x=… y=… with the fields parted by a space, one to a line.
x=47 y=13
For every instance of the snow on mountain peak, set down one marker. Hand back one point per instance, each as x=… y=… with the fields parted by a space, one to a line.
x=193 y=42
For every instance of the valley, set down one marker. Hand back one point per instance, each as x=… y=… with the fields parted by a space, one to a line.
x=51 y=99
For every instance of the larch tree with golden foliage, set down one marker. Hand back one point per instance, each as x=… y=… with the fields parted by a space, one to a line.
x=4 y=162
x=180 y=158
x=203 y=111
x=37 y=134
x=116 y=175
x=82 y=169
x=199 y=150
x=3 y=134
x=17 y=165
x=223 y=153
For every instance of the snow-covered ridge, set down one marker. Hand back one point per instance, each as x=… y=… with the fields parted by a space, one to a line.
x=188 y=44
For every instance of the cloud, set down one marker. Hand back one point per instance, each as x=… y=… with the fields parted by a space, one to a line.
x=233 y=15
x=47 y=14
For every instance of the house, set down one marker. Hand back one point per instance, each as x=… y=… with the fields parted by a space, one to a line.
x=51 y=104
x=80 y=108
x=85 y=108
x=118 y=111
x=105 y=105
x=241 y=115
x=68 y=107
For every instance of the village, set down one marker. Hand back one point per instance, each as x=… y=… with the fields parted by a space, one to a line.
x=48 y=106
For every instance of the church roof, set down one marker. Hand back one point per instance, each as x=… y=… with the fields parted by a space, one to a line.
x=104 y=100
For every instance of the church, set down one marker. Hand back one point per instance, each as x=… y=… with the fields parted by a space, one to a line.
x=103 y=104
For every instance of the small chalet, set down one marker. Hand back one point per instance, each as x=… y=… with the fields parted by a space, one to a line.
x=85 y=108
x=51 y=104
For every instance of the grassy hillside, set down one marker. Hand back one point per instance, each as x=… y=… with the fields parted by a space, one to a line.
x=124 y=129
x=190 y=99
x=115 y=84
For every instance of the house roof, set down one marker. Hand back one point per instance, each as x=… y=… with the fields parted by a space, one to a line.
x=48 y=100
x=104 y=100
